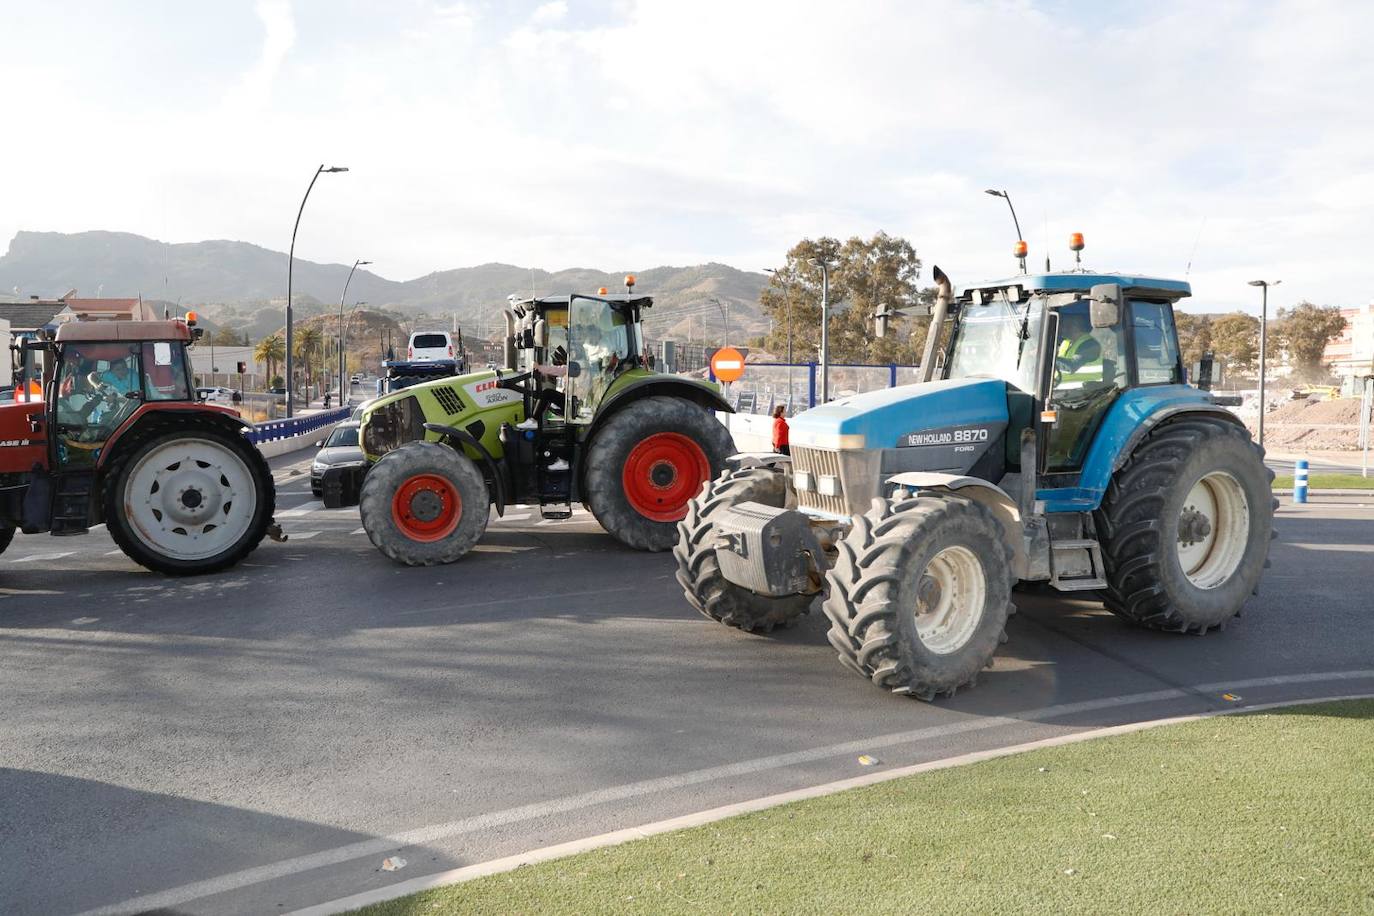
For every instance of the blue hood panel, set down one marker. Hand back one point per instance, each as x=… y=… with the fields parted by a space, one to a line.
x=883 y=417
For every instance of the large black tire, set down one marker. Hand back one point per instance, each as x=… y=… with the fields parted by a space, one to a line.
x=217 y=455
x=880 y=583
x=424 y=503
x=698 y=572
x=647 y=462
x=1143 y=509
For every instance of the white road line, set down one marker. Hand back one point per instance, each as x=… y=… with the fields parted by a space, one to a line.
x=512 y=517
x=300 y=535
x=303 y=509
x=648 y=787
x=358 y=531
x=38 y=557
x=698 y=818
x=111 y=553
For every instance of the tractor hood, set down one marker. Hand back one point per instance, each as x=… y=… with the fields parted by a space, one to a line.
x=909 y=415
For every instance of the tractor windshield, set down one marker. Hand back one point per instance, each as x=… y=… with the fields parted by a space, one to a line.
x=999 y=339
x=601 y=342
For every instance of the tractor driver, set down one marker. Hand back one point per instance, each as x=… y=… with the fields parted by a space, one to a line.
x=1079 y=357
x=114 y=384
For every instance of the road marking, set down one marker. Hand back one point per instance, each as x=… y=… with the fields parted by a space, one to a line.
x=698 y=818
x=512 y=517
x=648 y=787
x=38 y=557
x=303 y=509
x=110 y=553
x=301 y=535
x=358 y=531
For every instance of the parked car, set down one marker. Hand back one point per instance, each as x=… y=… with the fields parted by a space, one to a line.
x=428 y=345
x=340 y=448
x=216 y=394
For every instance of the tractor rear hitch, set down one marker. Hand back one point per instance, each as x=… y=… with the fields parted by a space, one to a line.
x=275 y=533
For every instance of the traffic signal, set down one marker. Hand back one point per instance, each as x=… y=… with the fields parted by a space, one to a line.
x=243 y=367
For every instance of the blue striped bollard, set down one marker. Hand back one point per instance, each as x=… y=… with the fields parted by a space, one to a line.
x=1300 y=481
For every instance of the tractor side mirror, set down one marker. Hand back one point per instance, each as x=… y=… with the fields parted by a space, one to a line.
x=1105 y=307
x=541 y=333
x=574 y=369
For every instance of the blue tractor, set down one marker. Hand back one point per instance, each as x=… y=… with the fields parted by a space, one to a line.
x=1052 y=439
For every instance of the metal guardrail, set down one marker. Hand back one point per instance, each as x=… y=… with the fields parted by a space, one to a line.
x=273 y=430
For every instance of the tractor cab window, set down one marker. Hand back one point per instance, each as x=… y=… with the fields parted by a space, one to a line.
x=1156 y=343
x=999 y=339
x=1089 y=371
x=164 y=372
x=97 y=389
x=599 y=345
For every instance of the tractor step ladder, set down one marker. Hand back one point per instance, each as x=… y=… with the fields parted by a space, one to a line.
x=1069 y=571
x=71 y=504
x=554 y=477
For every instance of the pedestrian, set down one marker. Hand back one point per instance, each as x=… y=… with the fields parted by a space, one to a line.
x=780 y=431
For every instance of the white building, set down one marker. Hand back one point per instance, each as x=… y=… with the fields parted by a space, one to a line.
x=1352 y=353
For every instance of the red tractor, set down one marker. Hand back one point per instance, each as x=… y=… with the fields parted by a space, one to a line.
x=117 y=436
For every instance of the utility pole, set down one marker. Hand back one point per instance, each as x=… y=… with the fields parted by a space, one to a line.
x=1264 y=327
x=824 y=264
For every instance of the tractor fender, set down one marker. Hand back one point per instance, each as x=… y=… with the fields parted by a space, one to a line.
x=746 y=460
x=473 y=442
x=166 y=416
x=1162 y=415
x=1002 y=505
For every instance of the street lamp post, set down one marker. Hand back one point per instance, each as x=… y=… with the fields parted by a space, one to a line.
x=787 y=298
x=824 y=264
x=343 y=360
x=1020 y=239
x=290 y=269
x=1264 y=328
x=724 y=317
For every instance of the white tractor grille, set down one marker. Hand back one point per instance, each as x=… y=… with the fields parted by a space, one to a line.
x=819 y=462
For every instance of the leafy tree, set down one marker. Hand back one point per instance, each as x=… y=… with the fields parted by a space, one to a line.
x=270 y=351
x=882 y=270
x=1305 y=331
x=225 y=337
x=1235 y=339
x=308 y=340
x=1194 y=336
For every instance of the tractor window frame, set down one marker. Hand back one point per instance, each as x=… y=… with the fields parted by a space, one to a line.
x=1166 y=307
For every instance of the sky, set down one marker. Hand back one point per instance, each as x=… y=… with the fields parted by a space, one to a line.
x=1227 y=141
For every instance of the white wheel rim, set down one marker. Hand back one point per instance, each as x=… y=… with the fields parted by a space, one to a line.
x=949 y=608
x=1214 y=527
x=190 y=499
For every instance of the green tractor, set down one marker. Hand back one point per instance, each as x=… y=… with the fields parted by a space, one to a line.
x=580 y=418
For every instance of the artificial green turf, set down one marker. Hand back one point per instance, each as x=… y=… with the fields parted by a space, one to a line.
x=1266 y=812
x=1328 y=482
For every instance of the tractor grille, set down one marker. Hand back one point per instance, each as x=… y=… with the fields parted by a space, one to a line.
x=820 y=462
x=448 y=400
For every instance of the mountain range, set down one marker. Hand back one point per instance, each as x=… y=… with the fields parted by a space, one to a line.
x=242 y=285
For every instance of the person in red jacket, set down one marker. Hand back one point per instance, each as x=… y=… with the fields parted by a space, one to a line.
x=780 y=431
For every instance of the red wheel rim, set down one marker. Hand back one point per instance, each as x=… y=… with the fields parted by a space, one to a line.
x=662 y=473
x=426 y=508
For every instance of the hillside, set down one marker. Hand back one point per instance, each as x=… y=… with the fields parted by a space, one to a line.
x=243 y=286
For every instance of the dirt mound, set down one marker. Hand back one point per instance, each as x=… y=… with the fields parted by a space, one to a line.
x=1331 y=424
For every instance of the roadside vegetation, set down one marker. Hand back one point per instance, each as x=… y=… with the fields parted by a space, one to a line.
x=1327 y=482
x=1266 y=812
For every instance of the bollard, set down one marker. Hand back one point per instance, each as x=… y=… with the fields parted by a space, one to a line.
x=1300 y=481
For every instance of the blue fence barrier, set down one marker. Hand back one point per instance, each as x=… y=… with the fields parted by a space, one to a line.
x=273 y=430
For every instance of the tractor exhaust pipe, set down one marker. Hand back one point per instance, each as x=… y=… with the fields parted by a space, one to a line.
x=944 y=295
x=509 y=350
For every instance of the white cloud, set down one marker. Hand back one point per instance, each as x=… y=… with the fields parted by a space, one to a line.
x=663 y=132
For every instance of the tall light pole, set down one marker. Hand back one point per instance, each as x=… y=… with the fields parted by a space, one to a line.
x=824 y=264
x=290 y=269
x=787 y=298
x=1020 y=239
x=724 y=317
x=1264 y=327
x=343 y=361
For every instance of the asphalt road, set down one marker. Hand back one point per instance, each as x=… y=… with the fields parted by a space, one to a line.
x=261 y=740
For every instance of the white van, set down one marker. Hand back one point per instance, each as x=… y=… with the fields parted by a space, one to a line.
x=429 y=345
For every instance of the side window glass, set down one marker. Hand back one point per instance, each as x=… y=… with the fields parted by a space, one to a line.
x=1156 y=343
x=164 y=372
x=1089 y=371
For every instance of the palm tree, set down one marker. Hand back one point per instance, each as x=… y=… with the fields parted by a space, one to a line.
x=307 y=342
x=270 y=350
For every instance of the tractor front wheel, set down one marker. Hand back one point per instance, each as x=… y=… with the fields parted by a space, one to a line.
x=1185 y=527
x=189 y=502
x=424 y=504
x=920 y=594
x=698 y=571
x=647 y=462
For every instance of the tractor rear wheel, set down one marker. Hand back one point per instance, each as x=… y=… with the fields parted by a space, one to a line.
x=920 y=594
x=189 y=501
x=1185 y=526
x=647 y=462
x=699 y=573
x=424 y=504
